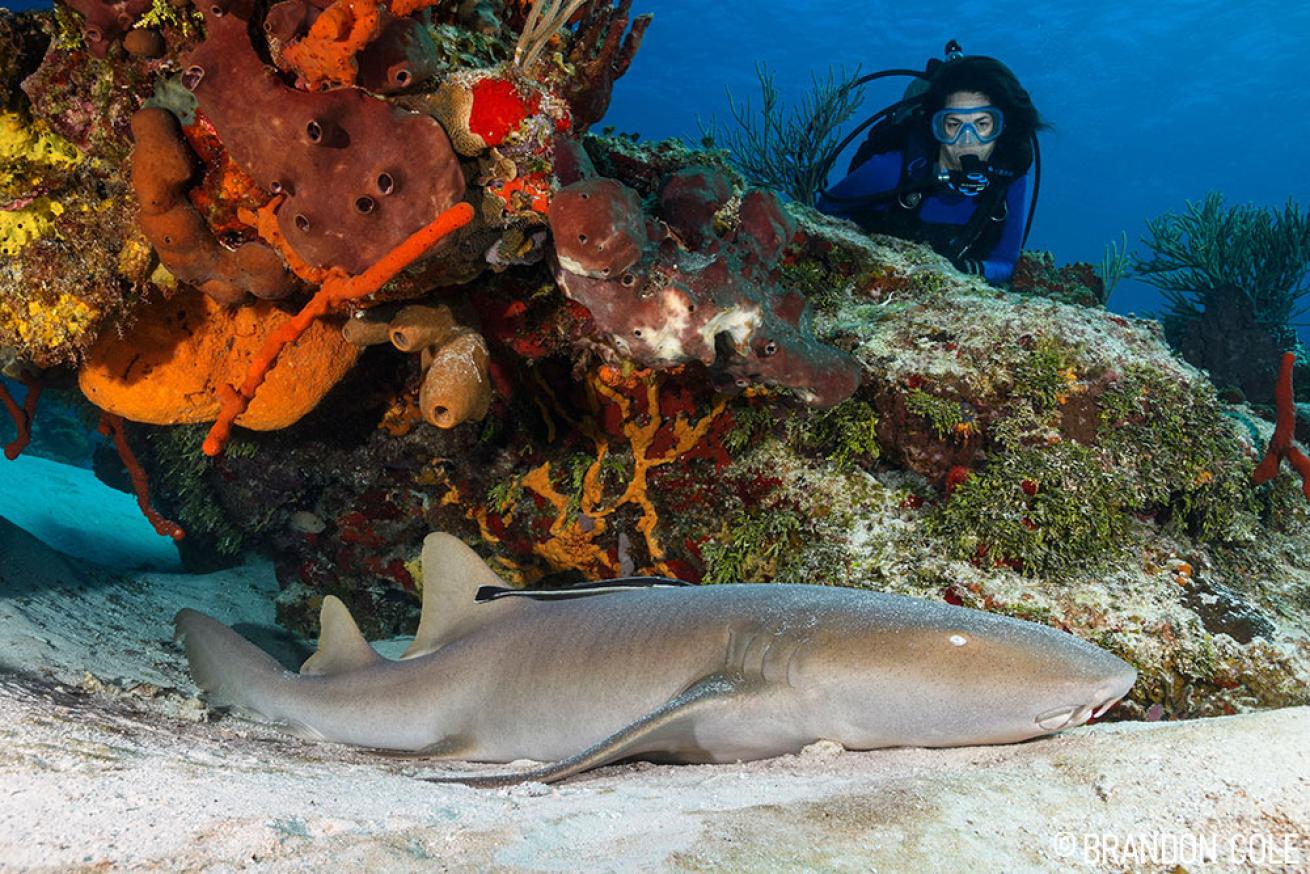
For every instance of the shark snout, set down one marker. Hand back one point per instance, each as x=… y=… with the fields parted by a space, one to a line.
x=1096 y=705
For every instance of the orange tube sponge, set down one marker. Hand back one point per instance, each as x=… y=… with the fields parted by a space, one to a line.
x=338 y=289
x=457 y=387
x=417 y=327
x=22 y=416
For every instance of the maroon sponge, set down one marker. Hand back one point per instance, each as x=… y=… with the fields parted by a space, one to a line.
x=359 y=175
x=662 y=299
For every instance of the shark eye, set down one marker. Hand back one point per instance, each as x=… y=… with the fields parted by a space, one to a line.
x=958 y=640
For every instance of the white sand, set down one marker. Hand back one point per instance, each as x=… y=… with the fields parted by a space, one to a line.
x=98 y=777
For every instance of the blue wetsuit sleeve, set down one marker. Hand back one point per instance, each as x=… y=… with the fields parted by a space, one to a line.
x=999 y=265
x=880 y=173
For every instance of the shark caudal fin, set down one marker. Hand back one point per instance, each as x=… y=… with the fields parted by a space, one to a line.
x=231 y=670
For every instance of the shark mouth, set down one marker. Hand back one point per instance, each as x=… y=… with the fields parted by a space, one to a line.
x=1104 y=708
x=1073 y=715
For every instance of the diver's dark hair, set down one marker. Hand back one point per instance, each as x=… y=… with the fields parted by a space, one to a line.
x=998 y=82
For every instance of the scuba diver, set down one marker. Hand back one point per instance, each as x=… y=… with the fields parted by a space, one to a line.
x=948 y=165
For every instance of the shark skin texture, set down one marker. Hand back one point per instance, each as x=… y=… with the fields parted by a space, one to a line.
x=661 y=670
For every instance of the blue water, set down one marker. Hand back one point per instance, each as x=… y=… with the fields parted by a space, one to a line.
x=1153 y=105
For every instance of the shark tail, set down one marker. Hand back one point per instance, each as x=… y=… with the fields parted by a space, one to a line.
x=232 y=671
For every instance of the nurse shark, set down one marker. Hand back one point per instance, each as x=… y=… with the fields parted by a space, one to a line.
x=660 y=670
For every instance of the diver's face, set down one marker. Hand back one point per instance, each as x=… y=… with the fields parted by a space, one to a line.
x=968 y=145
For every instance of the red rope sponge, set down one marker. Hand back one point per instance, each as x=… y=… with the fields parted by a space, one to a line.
x=22 y=416
x=1280 y=445
x=112 y=426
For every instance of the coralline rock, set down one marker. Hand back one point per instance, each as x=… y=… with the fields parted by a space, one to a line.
x=166 y=369
x=88 y=100
x=359 y=175
x=161 y=173
x=1036 y=273
x=35 y=164
x=22 y=43
x=67 y=255
x=662 y=304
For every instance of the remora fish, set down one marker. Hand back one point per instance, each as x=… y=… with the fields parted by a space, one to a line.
x=663 y=670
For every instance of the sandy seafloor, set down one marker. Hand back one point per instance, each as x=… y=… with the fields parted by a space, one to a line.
x=108 y=762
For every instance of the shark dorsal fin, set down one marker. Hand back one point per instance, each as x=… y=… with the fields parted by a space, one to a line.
x=341 y=647
x=452 y=575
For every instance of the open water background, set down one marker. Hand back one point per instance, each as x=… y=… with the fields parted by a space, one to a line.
x=1153 y=104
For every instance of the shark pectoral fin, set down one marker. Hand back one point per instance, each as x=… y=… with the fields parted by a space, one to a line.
x=341 y=647
x=661 y=729
x=452 y=575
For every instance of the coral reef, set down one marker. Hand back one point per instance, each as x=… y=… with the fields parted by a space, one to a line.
x=1036 y=273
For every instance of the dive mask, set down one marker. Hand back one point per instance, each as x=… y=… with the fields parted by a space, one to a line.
x=967 y=125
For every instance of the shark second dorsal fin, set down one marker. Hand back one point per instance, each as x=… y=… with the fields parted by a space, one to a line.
x=341 y=647
x=452 y=575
